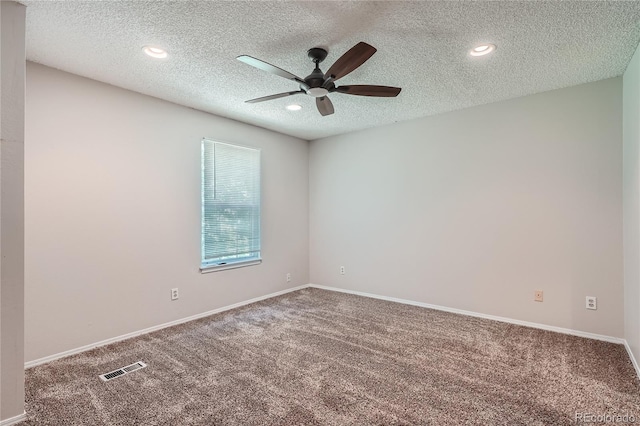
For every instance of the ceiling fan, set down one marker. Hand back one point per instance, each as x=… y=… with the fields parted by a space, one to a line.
x=319 y=84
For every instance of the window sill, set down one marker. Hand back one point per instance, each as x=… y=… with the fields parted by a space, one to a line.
x=234 y=265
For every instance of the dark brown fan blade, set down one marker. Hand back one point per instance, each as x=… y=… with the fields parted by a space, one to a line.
x=268 y=98
x=324 y=105
x=366 y=90
x=264 y=66
x=351 y=60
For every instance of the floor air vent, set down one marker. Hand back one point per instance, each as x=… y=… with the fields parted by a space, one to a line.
x=122 y=371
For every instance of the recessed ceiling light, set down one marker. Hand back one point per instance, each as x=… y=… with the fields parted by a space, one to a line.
x=155 y=52
x=294 y=107
x=482 y=49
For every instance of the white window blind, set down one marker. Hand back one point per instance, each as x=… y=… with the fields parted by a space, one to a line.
x=230 y=205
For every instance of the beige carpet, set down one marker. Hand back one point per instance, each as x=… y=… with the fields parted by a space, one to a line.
x=315 y=357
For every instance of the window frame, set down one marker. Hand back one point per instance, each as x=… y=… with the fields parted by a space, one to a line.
x=214 y=266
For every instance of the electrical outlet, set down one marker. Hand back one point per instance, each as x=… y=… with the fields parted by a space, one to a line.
x=592 y=302
x=288 y=276
x=342 y=272
x=537 y=296
x=174 y=294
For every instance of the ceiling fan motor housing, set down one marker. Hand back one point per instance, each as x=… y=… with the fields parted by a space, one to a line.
x=314 y=82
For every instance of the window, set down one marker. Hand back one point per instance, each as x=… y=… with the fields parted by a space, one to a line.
x=230 y=206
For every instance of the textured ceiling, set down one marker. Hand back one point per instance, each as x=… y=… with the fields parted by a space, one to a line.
x=422 y=47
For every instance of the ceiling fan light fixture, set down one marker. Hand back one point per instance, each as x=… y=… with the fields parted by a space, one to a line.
x=317 y=92
x=155 y=52
x=483 y=49
x=294 y=107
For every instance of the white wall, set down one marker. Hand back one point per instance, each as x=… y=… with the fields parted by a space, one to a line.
x=476 y=209
x=631 y=191
x=112 y=215
x=12 y=117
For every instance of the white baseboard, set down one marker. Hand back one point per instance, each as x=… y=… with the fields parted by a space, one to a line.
x=633 y=358
x=70 y=352
x=359 y=293
x=479 y=315
x=13 y=420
